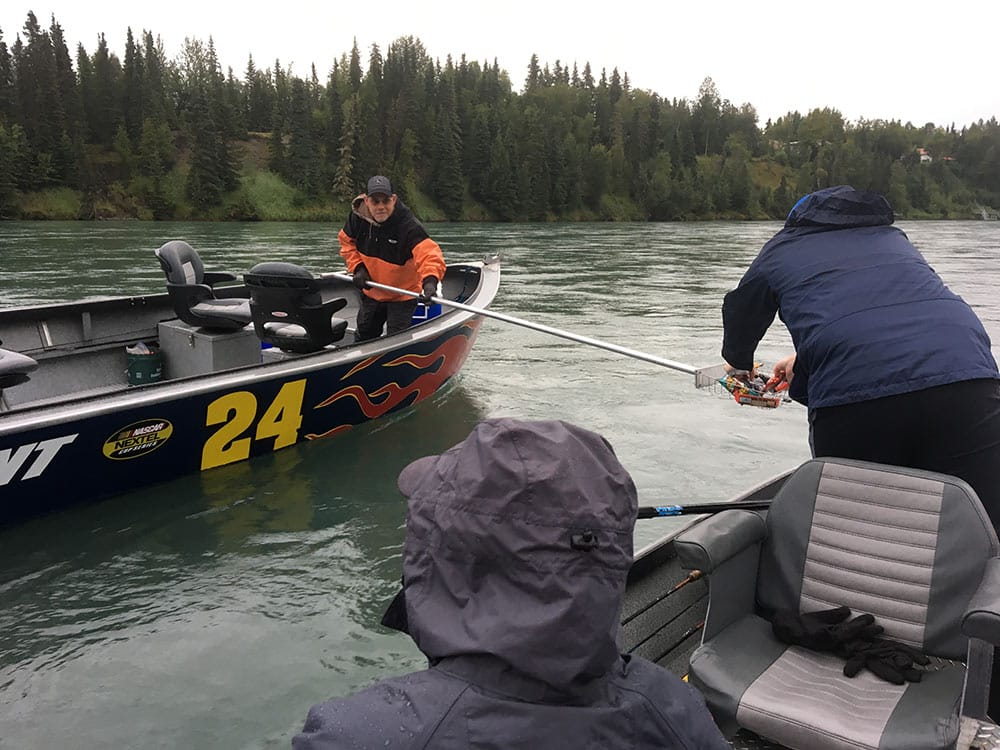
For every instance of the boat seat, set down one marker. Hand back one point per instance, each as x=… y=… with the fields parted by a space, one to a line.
x=192 y=294
x=913 y=548
x=292 y=309
x=14 y=368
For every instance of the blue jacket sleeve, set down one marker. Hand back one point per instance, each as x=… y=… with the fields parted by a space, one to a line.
x=747 y=312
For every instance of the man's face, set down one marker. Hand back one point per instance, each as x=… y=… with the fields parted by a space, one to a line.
x=381 y=206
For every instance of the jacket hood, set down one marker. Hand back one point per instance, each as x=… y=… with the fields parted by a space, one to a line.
x=841 y=206
x=518 y=544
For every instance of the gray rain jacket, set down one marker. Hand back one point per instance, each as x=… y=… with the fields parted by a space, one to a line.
x=518 y=544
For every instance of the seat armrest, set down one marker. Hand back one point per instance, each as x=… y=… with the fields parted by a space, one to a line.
x=217 y=277
x=982 y=616
x=710 y=543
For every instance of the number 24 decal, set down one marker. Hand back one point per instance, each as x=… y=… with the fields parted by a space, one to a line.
x=236 y=413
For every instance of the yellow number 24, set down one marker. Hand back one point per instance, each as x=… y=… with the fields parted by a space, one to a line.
x=236 y=413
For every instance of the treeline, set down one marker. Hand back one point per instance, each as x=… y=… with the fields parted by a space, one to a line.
x=94 y=135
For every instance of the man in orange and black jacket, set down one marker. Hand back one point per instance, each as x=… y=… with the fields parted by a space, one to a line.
x=383 y=242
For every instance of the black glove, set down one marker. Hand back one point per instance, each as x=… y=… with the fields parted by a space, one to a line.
x=892 y=661
x=430 y=288
x=361 y=276
x=823 y=630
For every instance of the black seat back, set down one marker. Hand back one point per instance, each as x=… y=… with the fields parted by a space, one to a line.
x=292 y=309
x=180 y=263
x=190 y=288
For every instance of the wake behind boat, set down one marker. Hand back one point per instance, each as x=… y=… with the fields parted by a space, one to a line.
x=106 y=396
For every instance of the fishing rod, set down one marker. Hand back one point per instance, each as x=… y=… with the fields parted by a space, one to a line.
x=663 y=511
x=703 y=376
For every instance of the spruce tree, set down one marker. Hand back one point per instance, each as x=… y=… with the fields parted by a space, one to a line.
x=7 y=95
x=133 y=85
x=447 y=184
x=11 y=156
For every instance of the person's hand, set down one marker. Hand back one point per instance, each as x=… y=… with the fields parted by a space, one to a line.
x=741 y=375
x=361 y=276
x=784 y=371
x=430 y=287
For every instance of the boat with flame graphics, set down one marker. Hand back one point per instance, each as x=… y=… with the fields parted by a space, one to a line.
x=104 y=396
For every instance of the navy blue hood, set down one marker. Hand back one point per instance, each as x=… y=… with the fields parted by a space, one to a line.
x=492 y=562
x=841 y=206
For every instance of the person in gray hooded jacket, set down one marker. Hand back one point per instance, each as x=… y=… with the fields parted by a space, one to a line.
x=518 y=542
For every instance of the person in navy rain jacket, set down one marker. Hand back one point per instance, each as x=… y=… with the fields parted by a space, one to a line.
x=894 y=367
x=518 y=543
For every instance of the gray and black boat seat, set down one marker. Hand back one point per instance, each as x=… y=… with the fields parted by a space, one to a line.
x=913 y=548
x=192 y=292
x=14 y=368
x=292 y=309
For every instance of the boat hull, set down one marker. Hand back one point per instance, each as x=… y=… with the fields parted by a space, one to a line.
x=78 y=449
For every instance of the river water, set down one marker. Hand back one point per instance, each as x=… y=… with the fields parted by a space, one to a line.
x=212 y=611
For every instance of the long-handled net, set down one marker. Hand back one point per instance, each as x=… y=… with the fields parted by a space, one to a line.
x=752 y=390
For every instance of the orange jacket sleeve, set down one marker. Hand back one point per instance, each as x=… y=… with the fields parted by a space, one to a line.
x=349 y=251
x=429 y=259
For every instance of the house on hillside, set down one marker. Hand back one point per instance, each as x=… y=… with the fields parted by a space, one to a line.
x=925 y=157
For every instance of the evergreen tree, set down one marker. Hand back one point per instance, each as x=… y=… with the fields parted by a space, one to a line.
x=204 y=186
x=12 y=147
x=603 y=113
x=533 y=80
x=301 y=156
x=447 y=185
x=596 y=175
x=354 y=69
x=333 y=124
x=344 y=179
x=502 y=196
x=7 y=94
x=259 y=98
x=368 y=154
x=276 y=159
x=104 y=114
x=705 y=118
x=66 y=83
x=133 y=89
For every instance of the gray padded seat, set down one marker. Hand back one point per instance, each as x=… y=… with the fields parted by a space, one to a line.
x=913 y=548
x=192 y=294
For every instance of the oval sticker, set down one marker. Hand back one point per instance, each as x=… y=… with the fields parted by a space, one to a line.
x=138 y=439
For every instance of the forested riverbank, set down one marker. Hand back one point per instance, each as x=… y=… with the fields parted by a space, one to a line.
x=95 y=135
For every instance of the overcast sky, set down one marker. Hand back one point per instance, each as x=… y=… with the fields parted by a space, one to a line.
x=875 y=59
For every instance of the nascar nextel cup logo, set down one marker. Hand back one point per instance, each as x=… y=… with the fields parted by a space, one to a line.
x=138 y=439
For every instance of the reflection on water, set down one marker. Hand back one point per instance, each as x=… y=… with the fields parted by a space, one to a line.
x=211 y=611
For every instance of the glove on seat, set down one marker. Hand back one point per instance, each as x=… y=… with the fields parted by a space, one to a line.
x=855 y=640
x=891 y=660
x=823 y=630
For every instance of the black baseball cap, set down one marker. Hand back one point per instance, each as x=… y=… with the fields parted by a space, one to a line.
x=379 y=184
